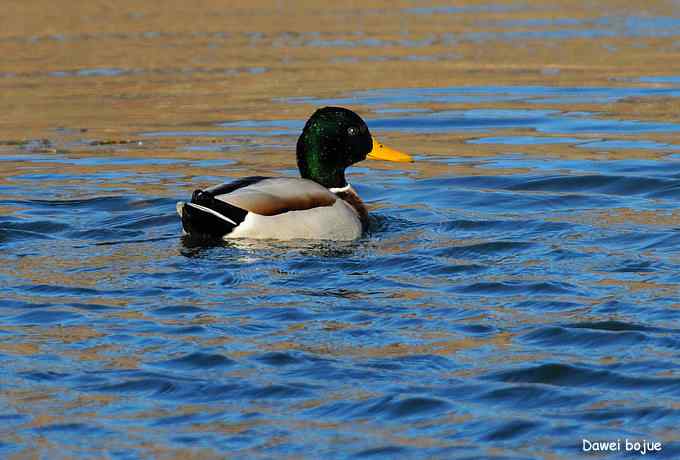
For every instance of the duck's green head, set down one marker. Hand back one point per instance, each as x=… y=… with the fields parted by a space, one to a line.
x=333 y=139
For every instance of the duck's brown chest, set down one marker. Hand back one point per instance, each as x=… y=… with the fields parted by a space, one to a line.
x=351 y=198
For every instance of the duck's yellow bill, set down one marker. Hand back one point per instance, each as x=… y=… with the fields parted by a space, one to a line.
x=382 y=152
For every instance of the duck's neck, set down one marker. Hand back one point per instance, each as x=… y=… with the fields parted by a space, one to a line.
x=329 y=179
x=314 y=165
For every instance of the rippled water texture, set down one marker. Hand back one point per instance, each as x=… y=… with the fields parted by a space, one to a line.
x=517 y=291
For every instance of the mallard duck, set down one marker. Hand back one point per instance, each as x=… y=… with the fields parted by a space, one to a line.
x=321 y=205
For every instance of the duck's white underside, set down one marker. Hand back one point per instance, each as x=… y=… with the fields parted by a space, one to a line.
x=336 y=222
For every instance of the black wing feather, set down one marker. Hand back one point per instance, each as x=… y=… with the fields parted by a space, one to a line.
x=223 y=189
x=198 y=222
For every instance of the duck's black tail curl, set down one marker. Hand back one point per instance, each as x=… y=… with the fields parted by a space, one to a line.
x=208 y=217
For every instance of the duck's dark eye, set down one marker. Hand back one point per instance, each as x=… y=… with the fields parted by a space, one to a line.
x=352 y=131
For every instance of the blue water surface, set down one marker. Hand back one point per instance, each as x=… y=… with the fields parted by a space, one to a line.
x=508 y=306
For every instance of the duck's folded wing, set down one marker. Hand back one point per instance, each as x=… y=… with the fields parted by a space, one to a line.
x=273 y=196
x=260 y=207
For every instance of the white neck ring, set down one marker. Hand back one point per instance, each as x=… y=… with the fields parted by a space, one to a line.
x=346 y=188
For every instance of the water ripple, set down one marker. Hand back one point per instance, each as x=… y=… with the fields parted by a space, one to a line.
x=196 y=361
x=516 y=291
x=579 y=376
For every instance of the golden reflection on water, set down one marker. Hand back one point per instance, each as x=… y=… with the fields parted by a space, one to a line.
x=292 y=42
x=174 y=66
